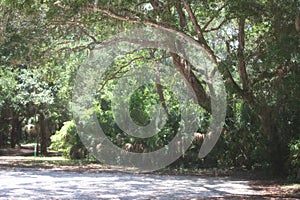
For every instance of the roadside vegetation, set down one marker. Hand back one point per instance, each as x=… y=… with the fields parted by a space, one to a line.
x=254 y=44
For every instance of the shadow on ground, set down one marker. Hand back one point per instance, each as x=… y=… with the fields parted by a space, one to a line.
x=51 y=184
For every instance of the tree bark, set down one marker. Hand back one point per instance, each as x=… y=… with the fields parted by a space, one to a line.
x=241 y=57
x=43 y=133
x=15 y=130
x=182 y=17
x=159 y=90
x=193 y=82
x=277 y=148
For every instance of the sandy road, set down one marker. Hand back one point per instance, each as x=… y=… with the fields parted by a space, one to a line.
x=31 y=183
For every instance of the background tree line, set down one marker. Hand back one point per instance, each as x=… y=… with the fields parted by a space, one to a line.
x=255 y=45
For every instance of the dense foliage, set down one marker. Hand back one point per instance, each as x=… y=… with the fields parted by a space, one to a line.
x=255 y=45
x=67 y=141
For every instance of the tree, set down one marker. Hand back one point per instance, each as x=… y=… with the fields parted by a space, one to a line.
x=255 y=44
x=8 y=118
x=261 y=48
x=37 y=80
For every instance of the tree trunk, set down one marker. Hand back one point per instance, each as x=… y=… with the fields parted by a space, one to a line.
x=14 y=130
x=2 y=128
x=43 y=133
x=276 y=145
x=19 y=130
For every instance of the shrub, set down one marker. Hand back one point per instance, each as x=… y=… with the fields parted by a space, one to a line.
x=67 y=141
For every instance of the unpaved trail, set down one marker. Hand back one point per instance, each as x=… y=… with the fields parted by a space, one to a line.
x=31 y=183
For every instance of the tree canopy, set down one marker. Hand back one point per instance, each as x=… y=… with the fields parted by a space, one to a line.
x=254 y=44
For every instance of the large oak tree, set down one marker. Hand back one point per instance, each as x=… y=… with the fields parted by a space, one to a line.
x=255 y=45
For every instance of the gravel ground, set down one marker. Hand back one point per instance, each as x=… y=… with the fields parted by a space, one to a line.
x=31 y=183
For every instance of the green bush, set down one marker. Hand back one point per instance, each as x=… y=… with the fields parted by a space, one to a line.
x=67 y=141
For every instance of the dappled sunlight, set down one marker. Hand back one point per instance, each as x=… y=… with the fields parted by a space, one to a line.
x=38 y=184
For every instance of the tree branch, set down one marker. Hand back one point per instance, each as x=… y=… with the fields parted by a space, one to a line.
x=279 y=72
x=241 y=58
x=194 y=21
x=159 y=89
x=231 y=81
x=193 y=82
x=114 y=75
x=182 y=17
x=87 y=33
x=199 y=32
x=215 y=28
x=212 y=18
x=132 y=20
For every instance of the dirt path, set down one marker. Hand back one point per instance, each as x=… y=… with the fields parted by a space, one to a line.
x=57 y=178
x=30 y=183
